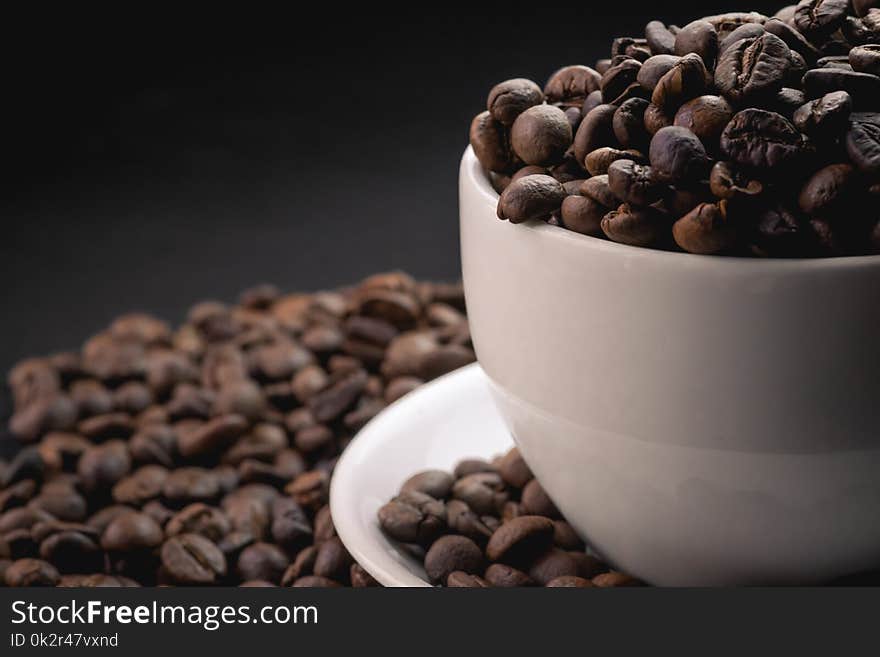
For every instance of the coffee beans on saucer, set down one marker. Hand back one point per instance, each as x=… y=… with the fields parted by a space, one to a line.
x=491 y=524
x=202 y=455
x=736 y=134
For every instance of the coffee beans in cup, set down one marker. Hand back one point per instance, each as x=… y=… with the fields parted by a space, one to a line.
x=736 y=134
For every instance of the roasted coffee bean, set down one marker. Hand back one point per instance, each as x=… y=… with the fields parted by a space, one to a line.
x=598 y=161
x=597 y=189
x=198 y=518
x=504 y=576
x=779 y=233
x=635 y=226
x=213 y=436
x=61 y=451
x=436 y=483
x=508 y=99
x=141 y=486
x=863 y=143
x=552 y=564
x=571 y=85
x=753 y=68
x=744 y=31
x=699 y=37
x=726 y=182
x=72 y=551
x=596 y=130
x=628 y=123
x=614 y=579
x=656 y=119
x=661 y=40
x=706 y=229
x=192 y=559
x=536 y=501
x=569 y=581
x=310 y=489
x=654 y=68
x=514 y=470
x=483 y=492
x=761 y=139
x=520 y=540
x=459 y=579
x=677 y=154
x=452 y=553
x=132 y=531
x=333 y=560
x=541 y=135
x=360 y=578
x=109 y=425
x=686 y=79
x=863 y=88
x=31 y=572
x=91 y=397
x=530 y=197
x=413 y=517
x=616 y=80
x=706 y=117
x=490 y=142
x=190 y=484
x=338 y=396
x=101 y=466
x=828 y=191
x=866 y=58
x=827 y=116
x=819 y=18
x=461 y=519
x=315 y=581
x=263 y=561
x=633 y=183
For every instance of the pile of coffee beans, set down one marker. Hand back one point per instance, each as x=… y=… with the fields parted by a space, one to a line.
x=203 y=455
x=491 y=524
x=737 y=134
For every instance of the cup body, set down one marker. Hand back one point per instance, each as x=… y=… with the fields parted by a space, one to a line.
x=699 y=420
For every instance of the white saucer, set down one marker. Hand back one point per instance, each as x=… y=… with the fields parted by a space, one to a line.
x=435 y=426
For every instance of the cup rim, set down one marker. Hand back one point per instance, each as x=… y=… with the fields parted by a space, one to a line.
x=476 y=175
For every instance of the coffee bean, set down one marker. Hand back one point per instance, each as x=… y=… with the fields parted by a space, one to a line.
x=192 y=559
x=101 y=466
x=144 y=484
x=727 y=181
x=635 y=226
x=483 y=492
x=529 y=198
x=571 y=85
x=459 y=579
x=436 y=483
x=536 y=501
x=706 y=229
x=569 y=581
x=827 y=116
x=706 y=117
x=263 y=561
x=505 y=576
x=686 y=79
x=863 y=88
x=131 y=531
x=818 y=18
x=656 y=119
x=661 y=40
x=452 y=553
x=520 y=540
x=761 y=139
x=565 y=537
x=617 y=80
x=614 y=579
x=628 y=123
x=753 y=68
x=866 y=58
x=541 y=135
x=698 y=37
x=333 y=560
x=863 y=143
x=514 y=470
x=190 y=484
x=829 y=190
x=31 y=572
x=552 y=564
x=508 y=99
x=634 y=183
x=360 y=578
x=677 y=154
x=315 y=581
x=596 y=130
x=72 y=551
x=199 y=518
x=338 y=396
x=490 y=142
x=598 y=161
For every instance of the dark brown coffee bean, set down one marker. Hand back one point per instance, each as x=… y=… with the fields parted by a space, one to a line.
x=541 y=135
x=653 y=70
x=508 y=99
x=360 y=578
x=310 y=489
x=263 y=561
x=661 y=40
x=109 y=425
x=436 y=483
x=635 y=226
x=505 y=576
x=686 y=79
x=491 y=145
x=514 y=470
x=198 y=518
x=520 y=540
x=761 y=139
x=131 y=531
x=144 y=484
x=726 y=182
x=571 y=85
x=461 y=519
x=461 y=580
x=596 y=130
x=315 y=581
x=818 y=18
x=472 y=466
x=413 y=517
x=656 y=119
x=828 y=190
x=132 y=397
x=706 y=229
x=213 y=436
x=61 y=451
x=552 y=564
x=744 y=31
x=597 y=189
x=706 y=117
x=452 y=553
x=866 y=58
x=826 y=116
x=529 y=198
x=565 y=537
x=628 y=124
x=863 y=143
x=338 y=396
x=101 y=466
x=863 y=88
x=536 y=501
x=192 y=559
x=483 y=492
x=753 y=68
x=614 y=579
x=71 y=551
x=31 y=572
x=569 y=581
x=598 y=161
x=634 y=183
x=616 y=80
x=677 y=154
x=699 y=37
x=191 y=484
x=91 y=397
x=333 y=560
x=244 y=398
x=97 y=580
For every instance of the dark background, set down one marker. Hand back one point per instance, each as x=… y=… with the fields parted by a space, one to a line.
x=157 y=160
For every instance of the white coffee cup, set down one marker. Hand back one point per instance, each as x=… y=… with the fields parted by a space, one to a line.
x=700 y=420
